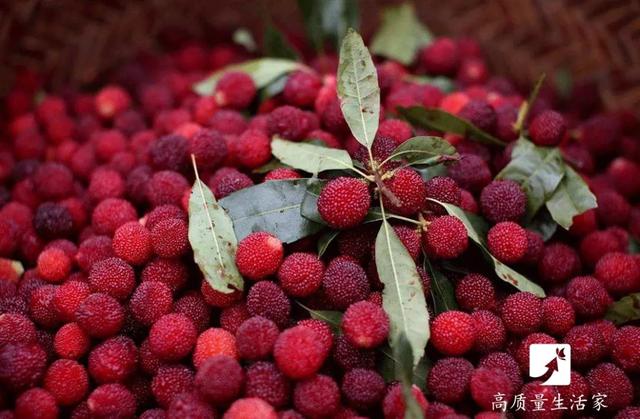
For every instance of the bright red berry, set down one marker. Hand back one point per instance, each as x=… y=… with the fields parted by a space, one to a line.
x=259 y=255
x=453 y=332
x=507 y=241
x=344 y=202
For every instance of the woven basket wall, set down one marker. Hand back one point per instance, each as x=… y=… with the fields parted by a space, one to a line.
x=74 y=41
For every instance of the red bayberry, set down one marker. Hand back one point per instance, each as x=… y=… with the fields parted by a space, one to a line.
x=344 y=202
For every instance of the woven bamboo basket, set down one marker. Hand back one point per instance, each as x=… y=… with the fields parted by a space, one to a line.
x=73 y=42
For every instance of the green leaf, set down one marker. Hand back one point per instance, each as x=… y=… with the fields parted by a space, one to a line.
x=309 y=157
x=244 y=38
x=402 y=297
x=473 y=224
x=332 y=318
x=272 y=165
x=543 y=224
x=634 y=246
x=405 y=362
x=276 y=45
x=274 y=88
x=564 y=83
x=262 y=70
x=328 y=20
x=441 y=82
x=309 y=208
x=325 y=240
x=401 y=34
x=523 y=112
x=440 y=120
x=625 y=310
x=538 y=171
x=271 y=206
x=442 y=290
x=424 y=150
x=572 y=197
x=213 y=240
x=429 y=172
x=387 y=367
x=358 y=89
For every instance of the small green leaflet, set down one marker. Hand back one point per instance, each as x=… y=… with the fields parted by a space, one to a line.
x=439 y=120
x=243 y=37
x=404 y=366
x=401 y=34
x=310 y=157
x=266 y=168
x=442 y=291
x=538 y=171
x=523 y=112
x=543 y=224
x=358 y=89
x=328 y=20
x=332 y=318
x=276 y=45
x=572 y=197
x=212 y=239
x=441 y=82
x=271 y=206
x=325 y=240
x=424 y=150
x=625 y=310
x=309 y=208
x=504 y=272
x=263 y=71
x=402 y=297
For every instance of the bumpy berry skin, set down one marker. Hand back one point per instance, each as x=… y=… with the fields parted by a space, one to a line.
x=485 y=383
x=547 y=128
x=587 y=345
x=252 y=148
x=443 y=189
x=113 y=360
x=558 y=316
x=345 y=282
x=169 y=382
x=110 y=214
x=490 y=332
x=209 y=148
x=597 y=244
x=317 y=396
x=214 y=341
x=507 y=241
x=67 y=381
x=169 y=238
x=150 y=301
x=619 y=273
x=171 y=272
x=522 y=313
x=504 y=362
x=325 y=335
x=298 y=352
x=446 y=237
x=470 y=172
x=613 y=209
x=393 y=405
x=290 y=123
x=608 y=379
x=531 y=390
x=480 y=114
x=36 y=403
x=625 y=351
x=301 y=88
x=441 y=57
x=282 y=173
x=219 y=379
x=113 y=277
x=259 y=255
x=52 y=221
x=22 y=365
x=588 y=297
x=68 y=297
x=235 y=90
x=172 y=337
x=190 y=405
x=54 y=265
x=363 y=388
x=16 y=328
x=111 y=400
x=558 y=263
x=503 y=200
x=453 y=332
x=448 y=380
x=193 y=306
x=475 y=292
x=408 y=190
x=344 y=202
x=300 y=274
x=100 y=315
x=365 y=325
x=71 y=342
x=250 y=407
x=232 y=317
x=228 y=180
x=132 y=243
x=268 y=300
x=265 y=381
x=255 y=338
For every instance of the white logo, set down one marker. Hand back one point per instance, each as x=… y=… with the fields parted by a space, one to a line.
x=550 y=363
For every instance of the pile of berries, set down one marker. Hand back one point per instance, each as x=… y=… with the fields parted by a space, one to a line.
x=112 y=319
